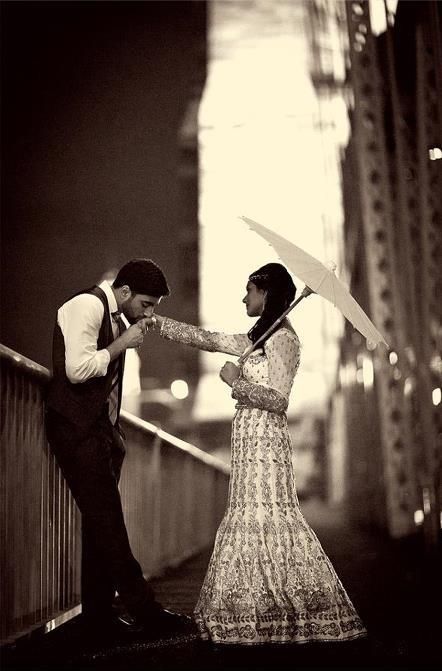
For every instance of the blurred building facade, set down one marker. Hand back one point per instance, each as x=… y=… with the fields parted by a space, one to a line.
x=326 y=33
x=100 y=162
x=386 y=404
x=325 y=28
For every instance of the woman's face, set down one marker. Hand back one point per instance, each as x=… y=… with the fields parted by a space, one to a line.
x=254 y=300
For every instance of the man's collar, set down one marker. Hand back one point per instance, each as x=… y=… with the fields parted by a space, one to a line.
x=111 y=300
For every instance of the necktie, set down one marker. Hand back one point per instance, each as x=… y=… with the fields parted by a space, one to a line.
x=117 y=375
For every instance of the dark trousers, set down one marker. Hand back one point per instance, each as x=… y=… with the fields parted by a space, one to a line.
x=91 y=465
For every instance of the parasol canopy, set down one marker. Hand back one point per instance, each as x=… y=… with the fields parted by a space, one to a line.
x=319 y=280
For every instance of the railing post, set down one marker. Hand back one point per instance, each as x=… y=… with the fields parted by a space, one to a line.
x=40 y=565
x=156 y=463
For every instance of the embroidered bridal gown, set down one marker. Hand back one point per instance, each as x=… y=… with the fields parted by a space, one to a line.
x=268 y=580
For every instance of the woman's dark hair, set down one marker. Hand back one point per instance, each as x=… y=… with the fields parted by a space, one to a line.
x=143 y=276
x=281 y=291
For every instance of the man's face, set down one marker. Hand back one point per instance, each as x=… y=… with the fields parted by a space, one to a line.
x=139 y=306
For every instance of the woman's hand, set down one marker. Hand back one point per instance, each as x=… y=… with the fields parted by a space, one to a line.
x=229 y=373
x=154 y=322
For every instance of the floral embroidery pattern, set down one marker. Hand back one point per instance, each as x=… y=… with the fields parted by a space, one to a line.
x=257 y=396
x=268 y=580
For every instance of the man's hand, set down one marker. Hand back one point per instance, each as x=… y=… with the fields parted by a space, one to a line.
x=134 y=335
x=229 y=373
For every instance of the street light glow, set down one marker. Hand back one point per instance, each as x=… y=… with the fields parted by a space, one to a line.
x=367 y=373
x=179 y=389
x=393 y=357
x=437 y=396
x=418 y=517
x=435 y=153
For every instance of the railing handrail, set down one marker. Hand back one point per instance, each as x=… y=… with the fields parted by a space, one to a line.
x=170 y=439
x=25 y=364
x=33 y=368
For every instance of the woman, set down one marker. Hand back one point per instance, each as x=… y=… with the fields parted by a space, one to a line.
x=269 y=579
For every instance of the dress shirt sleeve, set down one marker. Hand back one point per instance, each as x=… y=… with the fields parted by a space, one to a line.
x=80 y=321
x=205 y=340
x=283 y=354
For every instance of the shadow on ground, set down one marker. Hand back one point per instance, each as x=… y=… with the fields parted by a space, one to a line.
x=395 y=587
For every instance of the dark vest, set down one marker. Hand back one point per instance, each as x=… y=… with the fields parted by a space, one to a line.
x=84 y=402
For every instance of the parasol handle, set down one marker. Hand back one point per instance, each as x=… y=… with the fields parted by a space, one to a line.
x=245 y=355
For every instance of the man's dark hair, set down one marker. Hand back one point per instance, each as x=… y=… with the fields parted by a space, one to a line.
x=143 y=276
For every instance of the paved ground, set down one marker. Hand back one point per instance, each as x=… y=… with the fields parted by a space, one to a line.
x=392 y=585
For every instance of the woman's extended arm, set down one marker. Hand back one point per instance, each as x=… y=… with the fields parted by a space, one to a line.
x=195 y=336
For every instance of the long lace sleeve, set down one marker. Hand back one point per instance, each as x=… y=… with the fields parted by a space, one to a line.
x=283 y=354
x=202 y=339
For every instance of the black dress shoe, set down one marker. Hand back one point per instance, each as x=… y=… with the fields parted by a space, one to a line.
x=164 y=621
x=127 y=624
x=112 y=627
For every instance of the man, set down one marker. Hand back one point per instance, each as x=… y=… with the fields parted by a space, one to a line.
x=82 y=425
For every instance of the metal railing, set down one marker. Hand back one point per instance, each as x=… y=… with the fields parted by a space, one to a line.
x=173 y=496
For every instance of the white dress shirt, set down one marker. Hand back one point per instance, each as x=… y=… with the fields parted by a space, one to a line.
x=80 y=320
